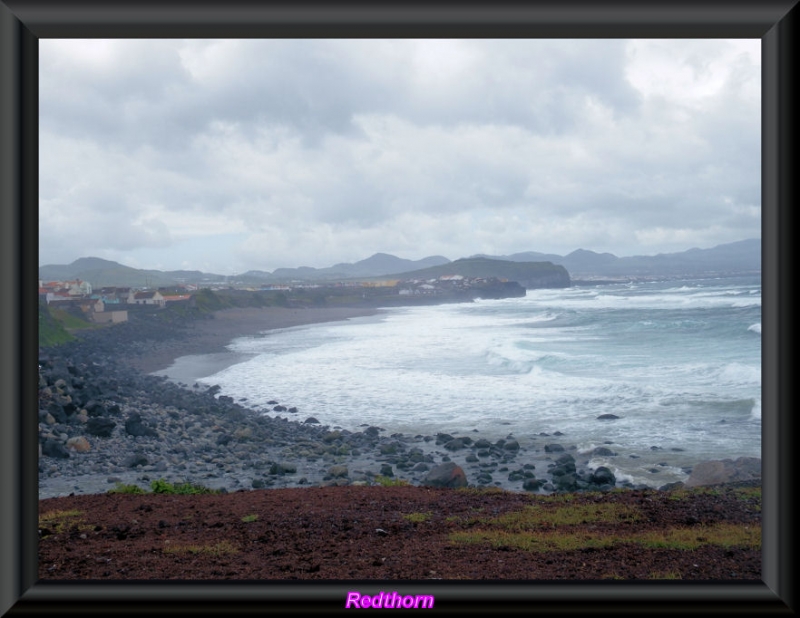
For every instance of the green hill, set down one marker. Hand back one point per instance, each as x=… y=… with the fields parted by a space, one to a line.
x=528 y=274
x=99 y=273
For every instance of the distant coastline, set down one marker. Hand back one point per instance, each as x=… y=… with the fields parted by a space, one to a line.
x=728 y=259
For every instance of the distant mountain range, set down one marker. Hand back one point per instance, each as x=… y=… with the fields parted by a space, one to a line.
x=732 y=258
x=375 y=266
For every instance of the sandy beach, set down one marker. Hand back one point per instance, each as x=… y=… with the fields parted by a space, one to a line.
x=205 y=342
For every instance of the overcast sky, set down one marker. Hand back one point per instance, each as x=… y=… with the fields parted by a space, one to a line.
x=231 y=155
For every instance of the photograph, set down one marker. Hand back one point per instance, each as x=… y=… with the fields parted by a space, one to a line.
x=338 y=314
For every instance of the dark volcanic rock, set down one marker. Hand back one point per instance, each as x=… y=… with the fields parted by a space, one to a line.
x=135 y=427
x=136 y=459
x=455 y=444
x=532 y=484
x=603 y=476
x=100 y=426
x=54 y=448
x=602 y=451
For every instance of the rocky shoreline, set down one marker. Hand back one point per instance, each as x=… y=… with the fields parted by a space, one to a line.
x=104 y=421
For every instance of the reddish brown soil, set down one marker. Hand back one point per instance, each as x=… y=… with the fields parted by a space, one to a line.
x=334 y=533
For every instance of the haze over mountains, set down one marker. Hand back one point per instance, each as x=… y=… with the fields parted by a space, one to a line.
x=737 y=257
x=727 y=259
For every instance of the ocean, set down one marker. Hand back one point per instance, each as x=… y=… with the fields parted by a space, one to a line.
x=677 y=362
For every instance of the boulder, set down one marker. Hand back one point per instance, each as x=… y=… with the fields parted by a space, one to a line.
x=100 y=426
x=455 y=444
x=338 y=471
x=603 y=476
x=282 y=468
x=448 y=474
x=79 y=444
x=135 y=459
x=54 y=448
x=566 y=482
x=566 y=461
x=135 y=427
x=94 y=408
x=719 y=471
x=532 y=484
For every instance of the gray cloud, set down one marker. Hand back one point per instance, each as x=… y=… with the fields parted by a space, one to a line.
x=290 y=152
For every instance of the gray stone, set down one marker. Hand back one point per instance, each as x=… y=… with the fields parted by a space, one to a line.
x=725 y=471
x=338 y=471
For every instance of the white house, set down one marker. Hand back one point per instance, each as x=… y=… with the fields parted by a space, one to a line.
x=146 y=298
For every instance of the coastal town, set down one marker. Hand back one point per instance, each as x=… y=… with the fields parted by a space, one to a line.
x=109 y=305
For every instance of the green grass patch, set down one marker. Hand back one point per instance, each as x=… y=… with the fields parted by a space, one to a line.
x=537 y=542
x=249 y=519
x=221 y=548
x=536 y=516
x=51 y=330
x=59 y=521
x=482 y=491
x=70 y=321
x=123 y=488
x=563 y=497
x=665 y=575
x=160 y=486
x=417 y=517
x=722 y=535
x=748 y=493
x=550 y=525
x=687 y=493
x=385 y=481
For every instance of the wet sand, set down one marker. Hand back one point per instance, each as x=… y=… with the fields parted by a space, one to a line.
x=203 y=349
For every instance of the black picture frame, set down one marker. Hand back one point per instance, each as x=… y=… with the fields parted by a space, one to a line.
x=24 y=22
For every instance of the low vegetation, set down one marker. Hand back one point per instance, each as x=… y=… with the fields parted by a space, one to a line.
x=221 y=548
x=554 y=524
x=56 y=522
x=386 y=481
x=52 y=328
x=160 y=486
x=417 y=518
